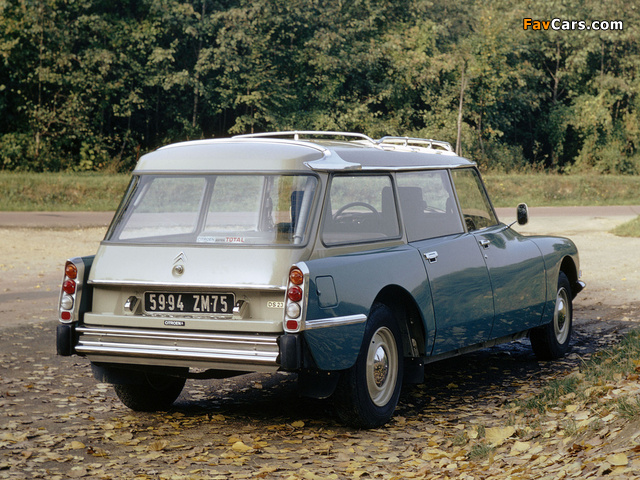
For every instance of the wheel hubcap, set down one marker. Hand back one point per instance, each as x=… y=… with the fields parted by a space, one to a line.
x=382 y=366
x=561 y=317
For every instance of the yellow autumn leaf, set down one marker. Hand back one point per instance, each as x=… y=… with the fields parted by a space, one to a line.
x=298 y=424
x=571 y=408
x=77 y=445
x=520 y=447
x=158 y=445
x=496 y=435
x=240 y=447
x=618 y=460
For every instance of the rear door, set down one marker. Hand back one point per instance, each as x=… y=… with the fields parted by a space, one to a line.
x=460 y=285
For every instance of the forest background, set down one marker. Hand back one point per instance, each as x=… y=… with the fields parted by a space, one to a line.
x=93 y=84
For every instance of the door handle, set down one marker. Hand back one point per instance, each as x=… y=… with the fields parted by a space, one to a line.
x=431 y=257
x=485 y=243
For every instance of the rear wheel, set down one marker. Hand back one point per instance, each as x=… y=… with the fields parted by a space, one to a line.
x=552 y=340
x=368 y=392
x=154 y=392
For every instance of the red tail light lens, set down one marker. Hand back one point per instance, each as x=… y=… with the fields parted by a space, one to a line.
x=295 y=294
x=69 y=287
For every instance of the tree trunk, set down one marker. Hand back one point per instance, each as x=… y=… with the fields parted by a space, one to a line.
x=459 y=138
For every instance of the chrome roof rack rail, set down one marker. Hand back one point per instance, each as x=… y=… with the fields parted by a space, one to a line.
x=308 y=133
x=415 y=142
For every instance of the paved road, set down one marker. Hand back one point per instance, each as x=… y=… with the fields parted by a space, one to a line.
x=55 y=219
x=102 y=219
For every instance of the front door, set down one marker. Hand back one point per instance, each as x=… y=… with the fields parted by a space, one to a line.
x=517 y=274
x=514 y=262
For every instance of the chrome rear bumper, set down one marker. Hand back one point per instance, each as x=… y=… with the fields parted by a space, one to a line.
x=176 y=348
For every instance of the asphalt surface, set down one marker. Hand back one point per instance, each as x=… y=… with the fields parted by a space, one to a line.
x=55 y=219
x=103 y=219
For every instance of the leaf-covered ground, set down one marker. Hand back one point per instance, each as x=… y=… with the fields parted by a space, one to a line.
x=467 y=421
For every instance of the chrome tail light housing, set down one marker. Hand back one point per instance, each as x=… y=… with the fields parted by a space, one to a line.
x=296 y=298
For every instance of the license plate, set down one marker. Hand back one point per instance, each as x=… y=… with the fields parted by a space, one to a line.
x=188 y=302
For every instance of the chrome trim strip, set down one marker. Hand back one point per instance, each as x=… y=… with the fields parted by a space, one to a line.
x=182 y=286
x=409 y=168
x=175 y=335
x=335 y=321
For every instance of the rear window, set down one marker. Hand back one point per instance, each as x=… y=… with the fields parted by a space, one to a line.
x=360 y=208
x=216 y=209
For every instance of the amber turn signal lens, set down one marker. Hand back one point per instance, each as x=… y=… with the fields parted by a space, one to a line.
x=296 y=276
x=71 y=271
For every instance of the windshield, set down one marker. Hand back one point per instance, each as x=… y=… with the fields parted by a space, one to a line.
x=216 y=209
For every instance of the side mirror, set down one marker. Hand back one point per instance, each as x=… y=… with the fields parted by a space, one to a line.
x=523 y=214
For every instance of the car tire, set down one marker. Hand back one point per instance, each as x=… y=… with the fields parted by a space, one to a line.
x=155 y=392
x=551 y=341
x=368 y=393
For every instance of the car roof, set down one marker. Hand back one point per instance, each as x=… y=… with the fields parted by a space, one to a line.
x=302 y=150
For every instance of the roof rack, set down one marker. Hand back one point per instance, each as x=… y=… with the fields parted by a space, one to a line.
x=309 y=133
x=415 y=142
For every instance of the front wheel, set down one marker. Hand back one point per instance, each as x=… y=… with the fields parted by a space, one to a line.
x=368 y=392
x=552 y=340
x=152 y=393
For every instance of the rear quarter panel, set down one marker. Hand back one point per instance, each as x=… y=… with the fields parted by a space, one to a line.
x=358 y=279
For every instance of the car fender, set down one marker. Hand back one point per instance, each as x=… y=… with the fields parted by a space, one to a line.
x=558 y=254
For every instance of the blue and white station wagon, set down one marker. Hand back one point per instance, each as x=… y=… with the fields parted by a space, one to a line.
x=350 y=261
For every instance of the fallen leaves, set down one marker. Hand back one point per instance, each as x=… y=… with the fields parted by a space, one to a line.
x=77 y=429
x=497 y=435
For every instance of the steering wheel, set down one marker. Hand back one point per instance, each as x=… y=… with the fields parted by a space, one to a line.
x=341 y=210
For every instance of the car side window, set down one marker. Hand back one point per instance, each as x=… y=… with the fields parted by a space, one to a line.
x=475 y=205
x=428 y=205
x=359 y=209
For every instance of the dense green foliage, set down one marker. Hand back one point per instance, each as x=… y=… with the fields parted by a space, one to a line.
x=92 y=84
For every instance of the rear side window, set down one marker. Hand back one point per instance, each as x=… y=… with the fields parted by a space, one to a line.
x=476 y=208
x=428 y=205
x=359 y=209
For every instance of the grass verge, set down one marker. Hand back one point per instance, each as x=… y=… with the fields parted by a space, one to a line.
x=102 y=192
x=629 y=229
x=546 y=190
x=61 y=191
